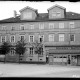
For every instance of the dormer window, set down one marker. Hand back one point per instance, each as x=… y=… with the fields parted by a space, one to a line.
x=27 y=15
x=21 y=27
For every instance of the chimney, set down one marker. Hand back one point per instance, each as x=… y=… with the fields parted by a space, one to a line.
x=15 y=13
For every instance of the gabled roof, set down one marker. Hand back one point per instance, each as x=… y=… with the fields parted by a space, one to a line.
x=27 y=8
x=43 y=17
x=56 y=6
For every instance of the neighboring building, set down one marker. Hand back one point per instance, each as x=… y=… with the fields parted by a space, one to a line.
x=58 y=30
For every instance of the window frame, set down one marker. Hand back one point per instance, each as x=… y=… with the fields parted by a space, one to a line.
x=22 y=26
x=22 y=35
x=41 y=26
x=31 y=51
x=51 y=25
x=40 y=36
x=4 y=28
x=31 y=26
x=12 y=28
x=70 y=37
x=27 y=15
x=29 y=38
x=71 y=23
x=2 y=40
x=51 y=37
x=14 y=38
x=60 y=40
x=61 y=25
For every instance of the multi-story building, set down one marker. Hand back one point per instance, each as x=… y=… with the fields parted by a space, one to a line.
x=59 y=31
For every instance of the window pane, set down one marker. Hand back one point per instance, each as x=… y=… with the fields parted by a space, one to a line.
x=31 y=26
x=31 y=38
x=58 y=14
x=71 y=24
x=13 y=28
x=31 y=51
x=12 y=39
x=51 y=37
x=61 y=37
x=41 y=26
x=61 y=25
x=27 y=15
x=3 y=27
x=22 y=27
x=22 y=38
x=72 y=37
x=41 y=38
x=3 y=38
x=51 y=25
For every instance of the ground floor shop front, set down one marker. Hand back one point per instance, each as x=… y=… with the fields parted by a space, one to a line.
x=64 y=59
x=63 y=55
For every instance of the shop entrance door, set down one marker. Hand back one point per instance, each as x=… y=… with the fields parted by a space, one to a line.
x=69 y=60
x=78 y=60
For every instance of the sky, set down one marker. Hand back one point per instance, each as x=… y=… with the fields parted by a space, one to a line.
x=7 y=7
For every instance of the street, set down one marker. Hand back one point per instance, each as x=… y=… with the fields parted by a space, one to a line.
x=38 y=70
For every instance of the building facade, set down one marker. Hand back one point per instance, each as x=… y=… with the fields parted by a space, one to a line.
x=59 y=31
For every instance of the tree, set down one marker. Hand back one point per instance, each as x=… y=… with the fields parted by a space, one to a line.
x=5 y=49
x=20 y=48
x=38 y=47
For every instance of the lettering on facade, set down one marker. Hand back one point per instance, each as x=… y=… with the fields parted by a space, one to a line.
x=67 y=48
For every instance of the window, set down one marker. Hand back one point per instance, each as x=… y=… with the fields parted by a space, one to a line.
x=31 y=38
x=71 y=37
x=53 y=14
x=31 y=26
x=27 y=15
x=51 y=25
x=41 y=26
x=61 y=37
x=31 y=51
x=41 y=38
x=12 y=38
x=21 y=27
x=71 y=24
x=56 y=14
x=61 y=25
x=12 y=28
x=51 y=37
x=3 y=38
x=41 y=51
x=12 y=51
x=3 y=27
x=22 y=37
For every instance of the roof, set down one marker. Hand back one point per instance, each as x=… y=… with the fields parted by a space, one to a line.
x=28 y=8
x=43 y=17
x=56 y=6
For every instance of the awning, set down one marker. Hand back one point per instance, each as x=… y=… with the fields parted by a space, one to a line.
x=64 y=51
